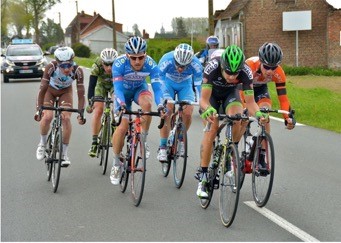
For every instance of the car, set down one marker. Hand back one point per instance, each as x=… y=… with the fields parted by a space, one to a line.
x=52 y=49
x=23 y=59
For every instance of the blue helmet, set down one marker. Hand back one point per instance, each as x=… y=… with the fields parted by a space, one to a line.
x=135 y=45
x=212 y=40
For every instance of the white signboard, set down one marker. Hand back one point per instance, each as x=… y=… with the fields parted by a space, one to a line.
x=296 y=20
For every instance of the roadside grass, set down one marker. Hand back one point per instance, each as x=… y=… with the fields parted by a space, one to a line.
x=317 y=107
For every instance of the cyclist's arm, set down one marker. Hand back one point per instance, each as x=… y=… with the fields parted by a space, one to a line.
x=44 y=84
x=156 y=85
x=118 y=87
x=92 y=85
x=206 y=92
x=280 y=81
x=80 y=88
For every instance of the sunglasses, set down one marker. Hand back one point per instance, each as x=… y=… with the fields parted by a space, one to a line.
x=107 y=63
x=178 y=65
x=138 y=57
x=269 y=68
x=65 y=65
x=231 y=73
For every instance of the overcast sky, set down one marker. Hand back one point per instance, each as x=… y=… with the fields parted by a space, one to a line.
x=150 y=15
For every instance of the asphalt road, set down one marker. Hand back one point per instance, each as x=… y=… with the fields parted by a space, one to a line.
x=304 y=205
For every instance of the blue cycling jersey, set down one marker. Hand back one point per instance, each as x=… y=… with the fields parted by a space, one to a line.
x=126 y=79
x=169 y=75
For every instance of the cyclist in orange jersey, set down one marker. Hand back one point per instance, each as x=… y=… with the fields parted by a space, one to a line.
x=265 y=68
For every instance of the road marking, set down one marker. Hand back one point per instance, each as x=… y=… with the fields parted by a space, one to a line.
x=281 y=119
x=282 y=222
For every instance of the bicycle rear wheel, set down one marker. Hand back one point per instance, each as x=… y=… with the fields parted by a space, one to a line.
x=262 y=181
x=138 y=172
x=105 y=144
x=57 y=158
x=180 y=155
x=229 y=185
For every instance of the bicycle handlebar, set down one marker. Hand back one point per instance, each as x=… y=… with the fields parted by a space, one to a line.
x=101 y=99
x=52 y=108
x=226 y=117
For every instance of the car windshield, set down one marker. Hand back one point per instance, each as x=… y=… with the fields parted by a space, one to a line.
x=24 y=51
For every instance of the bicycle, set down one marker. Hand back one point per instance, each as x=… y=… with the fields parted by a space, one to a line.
x=177 y=135
x=134 y=160
x=224 y=171
x=54 y=146
x=105 y=133
x=255 y=148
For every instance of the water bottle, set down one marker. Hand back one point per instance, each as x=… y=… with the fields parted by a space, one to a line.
x=171 y=137
x=249 y=143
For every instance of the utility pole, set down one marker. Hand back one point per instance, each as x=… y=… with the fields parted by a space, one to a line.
x=210 y=18
x=113 y=26
x=60 y=23
x=78 y=25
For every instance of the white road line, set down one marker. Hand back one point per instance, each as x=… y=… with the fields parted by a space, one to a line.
x=281 y=119
x=282 y=222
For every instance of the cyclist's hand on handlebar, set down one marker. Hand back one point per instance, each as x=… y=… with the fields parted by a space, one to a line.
x=162 y=110
x=123 y=107
x=290 y=123
x=89 y=108
x=38 y=115
x=262 y=117
x=81 y=119
x=208 y=114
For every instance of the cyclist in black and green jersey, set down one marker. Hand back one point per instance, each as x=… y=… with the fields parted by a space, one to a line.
x=100 y=84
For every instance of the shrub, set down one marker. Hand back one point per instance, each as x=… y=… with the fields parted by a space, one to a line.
x=81 y=50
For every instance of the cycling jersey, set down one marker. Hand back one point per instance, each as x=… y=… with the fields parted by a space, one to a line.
x=260 y=83
x=103 y=80
x=180 y=83
x=55 y=84
x=204 y=55
x=127 y=81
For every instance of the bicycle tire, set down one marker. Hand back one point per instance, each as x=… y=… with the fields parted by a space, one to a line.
x=48 y=163
x=180 y=160
x=262 y=183
x=57 y=160
x=125 y=173
x=138 y=172
x=105 y=144
x=99 y=147
x=229 y=185
x=166 y=165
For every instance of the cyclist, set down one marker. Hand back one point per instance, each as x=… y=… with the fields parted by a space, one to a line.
x=100 y=84
x=129 y=78
x=212 y=43
x=220 y=88
x=179 y=69
x=57 y=82
x=265 y=68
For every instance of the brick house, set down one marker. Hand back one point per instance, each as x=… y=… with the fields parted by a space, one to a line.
x=250 y=23
x=95 y=32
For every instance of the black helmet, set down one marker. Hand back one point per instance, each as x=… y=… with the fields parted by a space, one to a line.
x=270 y=54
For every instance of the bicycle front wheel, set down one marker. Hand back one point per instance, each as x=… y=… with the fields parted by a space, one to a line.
x=262 y=180
x=229 y=185
x=138 y=169
x=49 y=146
x=57 y=158
x=180 y=155
x=105 y=144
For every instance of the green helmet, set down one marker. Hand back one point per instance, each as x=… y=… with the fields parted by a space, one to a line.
x=232 y=59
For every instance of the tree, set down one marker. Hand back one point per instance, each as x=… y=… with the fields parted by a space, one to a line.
x=4 y=21
x=51 y=33
x=136 y=30
x=38 y=8
x=179 y=27
x=20 y=17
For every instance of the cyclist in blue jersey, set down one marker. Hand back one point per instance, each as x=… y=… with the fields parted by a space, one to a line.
x=179 y=69
x=129 y=78
x=212 y=43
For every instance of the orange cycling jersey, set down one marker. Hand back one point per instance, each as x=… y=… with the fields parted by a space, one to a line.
x=277 y=76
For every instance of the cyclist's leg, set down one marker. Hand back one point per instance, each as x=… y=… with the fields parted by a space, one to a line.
x=262 y=98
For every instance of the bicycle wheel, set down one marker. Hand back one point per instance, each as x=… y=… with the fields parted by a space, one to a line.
x=229 y=185
x=105 y=144
x=57 y=158
x=205 y=202
x=138 y=172
x=49 y=146
x=262 y=181
x=180 y=155
x=166 y=165
x=125 y=173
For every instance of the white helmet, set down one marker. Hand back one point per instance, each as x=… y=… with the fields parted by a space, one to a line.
x=108 y=55
x=64 y=54
x=183 y=54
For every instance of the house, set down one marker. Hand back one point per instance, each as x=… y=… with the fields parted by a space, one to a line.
x=95 y=32
x=250 y=23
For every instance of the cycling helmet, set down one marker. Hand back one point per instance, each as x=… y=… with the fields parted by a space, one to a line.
x=212 y=40
x=108 y=55
x=135 y=45
x=232 y=59
x=270 y=54
x=64 y=54
x=183 y=54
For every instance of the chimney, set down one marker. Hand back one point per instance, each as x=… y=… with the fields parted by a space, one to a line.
x=95 y=13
